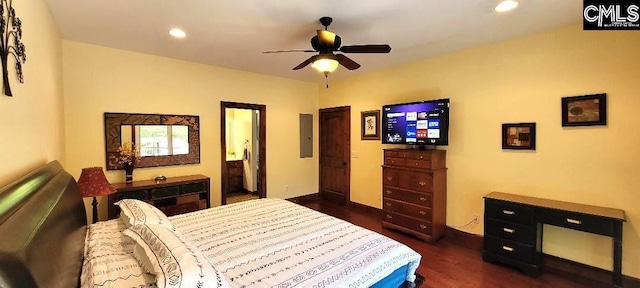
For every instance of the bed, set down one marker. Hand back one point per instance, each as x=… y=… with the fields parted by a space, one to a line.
x=46 y=243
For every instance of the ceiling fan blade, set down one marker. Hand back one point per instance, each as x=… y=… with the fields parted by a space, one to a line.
x=290 y=50
x=326 y=38
x=372 y=48
x=347 y=62
x=305 y=62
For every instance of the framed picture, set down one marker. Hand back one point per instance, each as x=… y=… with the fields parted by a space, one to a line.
x=521 y=136
x=587 y=110
x=370 y=123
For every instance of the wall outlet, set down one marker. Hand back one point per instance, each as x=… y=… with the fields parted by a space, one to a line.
x=476 y=219
x=286 y=188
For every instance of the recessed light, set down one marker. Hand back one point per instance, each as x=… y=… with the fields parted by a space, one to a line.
x=506 y=5
x=178 y=33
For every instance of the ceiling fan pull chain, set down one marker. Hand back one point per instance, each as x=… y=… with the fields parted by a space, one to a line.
x=326 y=78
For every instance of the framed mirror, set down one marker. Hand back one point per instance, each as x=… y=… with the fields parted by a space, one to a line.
x=163 y=140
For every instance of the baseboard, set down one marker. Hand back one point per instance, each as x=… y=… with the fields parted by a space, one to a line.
x=305 y=198
x=464 y=239
x=366 y=209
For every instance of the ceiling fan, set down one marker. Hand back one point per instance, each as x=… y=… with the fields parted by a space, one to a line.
x=326 y=43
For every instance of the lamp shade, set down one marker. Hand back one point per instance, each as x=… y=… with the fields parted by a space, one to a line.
x=93 y=183
x=325 y=65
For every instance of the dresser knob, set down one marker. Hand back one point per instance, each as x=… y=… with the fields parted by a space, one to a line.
x=423 y=213
x=389 y=192
x=508 y=212
x=420 y=157
x=388 y=204
x=508 y=230
x=417 y=164
x=423 y=198
x=423 y=226
x=422 y=183
x=573 y=221
x=389 y=216
x=507 y=248
x=389 y=178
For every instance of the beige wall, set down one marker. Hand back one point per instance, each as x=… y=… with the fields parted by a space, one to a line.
x=32 y=129
x=521 y=81
x=99 y=79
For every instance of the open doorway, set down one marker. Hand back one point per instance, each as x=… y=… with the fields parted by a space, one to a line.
x=243 y=151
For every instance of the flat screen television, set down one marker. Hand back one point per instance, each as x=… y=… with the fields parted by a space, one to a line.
x=416 y=123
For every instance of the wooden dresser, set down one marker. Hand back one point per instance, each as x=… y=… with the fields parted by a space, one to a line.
x=414 y=192
x=173 y=196
x=234 y=174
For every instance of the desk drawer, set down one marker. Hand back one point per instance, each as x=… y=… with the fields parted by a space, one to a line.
x=510 y=231
x=577 y=221
x=508 y=248
x=508 y=212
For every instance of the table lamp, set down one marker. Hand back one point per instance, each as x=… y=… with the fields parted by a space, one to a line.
x=93 y=183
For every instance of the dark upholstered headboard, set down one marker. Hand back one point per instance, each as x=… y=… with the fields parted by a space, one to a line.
x=42 y=230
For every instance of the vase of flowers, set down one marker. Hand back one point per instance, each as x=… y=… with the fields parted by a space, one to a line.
x=128 y=156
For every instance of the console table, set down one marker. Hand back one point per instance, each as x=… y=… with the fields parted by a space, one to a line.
x=513 y=228
x=173 y=196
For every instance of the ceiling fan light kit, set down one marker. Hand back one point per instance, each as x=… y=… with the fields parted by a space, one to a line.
x=325 y=43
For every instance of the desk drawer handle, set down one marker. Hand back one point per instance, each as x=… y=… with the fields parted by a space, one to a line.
x=422 y=183
x=423 y=226
x=507 y=248
x=508 y=230
x=573 y=221
x=389 y=217
x=509 y=212
x=423 y=198
x=389 y=192
x=423 y=213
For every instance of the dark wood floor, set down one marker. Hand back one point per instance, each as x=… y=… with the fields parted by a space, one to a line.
x=448 y=264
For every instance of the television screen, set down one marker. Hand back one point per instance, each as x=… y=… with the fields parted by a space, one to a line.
x=416 y=123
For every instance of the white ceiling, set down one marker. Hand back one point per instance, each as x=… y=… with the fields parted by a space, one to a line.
x=233 y=33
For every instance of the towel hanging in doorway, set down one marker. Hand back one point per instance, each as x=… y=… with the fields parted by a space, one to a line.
x=245 y=155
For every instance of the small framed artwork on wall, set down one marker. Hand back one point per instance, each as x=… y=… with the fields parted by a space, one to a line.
x=520 y=136
x=587 y=110
x=370 y=123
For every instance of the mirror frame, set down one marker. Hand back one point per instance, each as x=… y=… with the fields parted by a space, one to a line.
x=113 y=138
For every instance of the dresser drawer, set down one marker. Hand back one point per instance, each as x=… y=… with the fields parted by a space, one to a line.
x=421 y=164
x=392 y=154
x=407 y=209
x=234 y=164
x=423 y=227
x=404 y=154
x=165 y=192
x=389 y=177
x=139 y=194
x=422 y=182
x=510 y=231
x=509 y=212
x=394 y=161
x=508 y=248
x=407 y=196
x=578 y=221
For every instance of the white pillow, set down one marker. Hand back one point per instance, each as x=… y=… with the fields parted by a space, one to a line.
x=175 y=261
x=134 y=212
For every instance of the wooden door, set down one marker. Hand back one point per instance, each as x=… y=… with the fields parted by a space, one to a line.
x=335 y=150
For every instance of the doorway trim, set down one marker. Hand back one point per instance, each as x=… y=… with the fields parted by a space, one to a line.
x=262 y=147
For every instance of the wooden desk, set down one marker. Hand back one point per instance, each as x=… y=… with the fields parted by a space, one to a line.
x=513 y=228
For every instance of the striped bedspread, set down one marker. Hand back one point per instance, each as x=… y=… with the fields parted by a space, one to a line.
x=259 y=243
x=276 y=243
